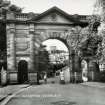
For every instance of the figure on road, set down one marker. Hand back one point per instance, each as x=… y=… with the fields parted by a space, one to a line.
x=62 y=80
x=45 y=78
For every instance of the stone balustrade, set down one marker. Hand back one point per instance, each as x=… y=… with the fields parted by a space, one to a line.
x=22 y=16
x=83 y=18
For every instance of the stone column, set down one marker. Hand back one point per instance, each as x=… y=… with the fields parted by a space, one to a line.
x=72 y=67
x=32 y=52
x=13 y=50
x=70 y=64
x=32 y=75
x=11 y=57
x=87 y=60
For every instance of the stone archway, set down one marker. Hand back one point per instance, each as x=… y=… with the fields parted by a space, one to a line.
x=24 y=36
x=94 y=72
x=22 y=71
x=61 y=36
x=58 y=56
x=37 y=37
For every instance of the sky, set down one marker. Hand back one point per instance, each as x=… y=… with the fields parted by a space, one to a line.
x=54 y=42
x=81 y=7
x=69 y=6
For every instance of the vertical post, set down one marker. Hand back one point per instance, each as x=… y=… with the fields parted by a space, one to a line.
x=92 y=75
x=88 y=69
x=70 y=65
x=75 y=76
x=72 y=71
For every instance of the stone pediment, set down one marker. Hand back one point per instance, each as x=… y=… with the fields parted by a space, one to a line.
x=54 y=18
x=54 y=15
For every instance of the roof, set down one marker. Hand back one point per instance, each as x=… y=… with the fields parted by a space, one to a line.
x=76 y=19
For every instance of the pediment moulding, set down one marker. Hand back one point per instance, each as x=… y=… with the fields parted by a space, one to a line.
x=54 y=11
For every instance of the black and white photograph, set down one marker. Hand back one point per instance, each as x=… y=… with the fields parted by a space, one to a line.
x=52 y=52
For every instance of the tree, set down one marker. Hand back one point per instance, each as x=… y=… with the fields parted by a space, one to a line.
x=100 y=5
x=5 y=6
x=15 y=9
x=76 y=37
x=91 y=46
x=85 y=42
x=43 y=60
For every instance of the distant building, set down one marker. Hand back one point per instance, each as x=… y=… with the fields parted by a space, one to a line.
x=53 y=48
x=58 y=56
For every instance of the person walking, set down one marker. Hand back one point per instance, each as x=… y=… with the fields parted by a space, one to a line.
x=38 y=78
x=45 y=78
x=62 y=80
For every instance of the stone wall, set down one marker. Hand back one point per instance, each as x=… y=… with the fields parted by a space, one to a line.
x=24 y=39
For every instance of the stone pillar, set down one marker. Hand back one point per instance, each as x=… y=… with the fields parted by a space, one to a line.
x=32 y=52
x=87 y=68
x=72 y=68
x=13 y=50
x=70 y=64
x=11 y=57
x=32 y=75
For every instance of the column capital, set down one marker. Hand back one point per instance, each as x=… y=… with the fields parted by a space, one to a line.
x=12 y=31
x=34 y=33
x=10 y=28
x=10 y=16
x=31 y=27
x=12 y=25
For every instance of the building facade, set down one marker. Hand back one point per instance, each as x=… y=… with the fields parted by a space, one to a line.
x=27 y=31
x=58 y=56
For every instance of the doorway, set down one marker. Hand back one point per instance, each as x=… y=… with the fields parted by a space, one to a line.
x=22 y=71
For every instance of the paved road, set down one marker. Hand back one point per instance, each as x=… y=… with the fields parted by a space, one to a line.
x=56 y=94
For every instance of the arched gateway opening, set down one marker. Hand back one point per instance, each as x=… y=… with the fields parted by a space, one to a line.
x=22 y=71
x=58 y=55
x=74 y=62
